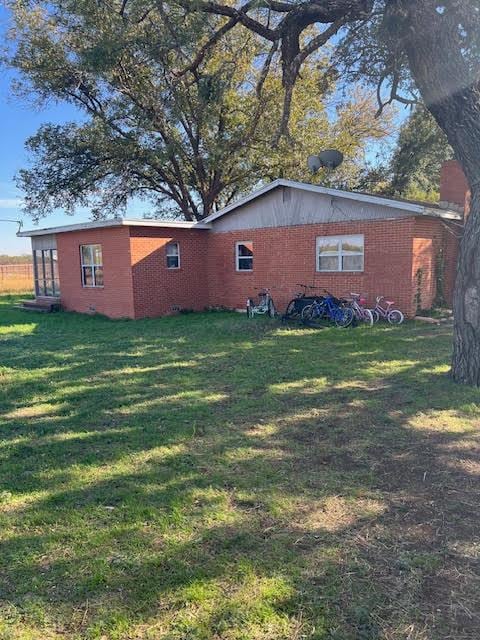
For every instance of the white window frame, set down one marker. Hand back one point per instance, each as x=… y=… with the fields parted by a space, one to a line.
x=357 y=237
x=91 y=266
x=238 y=257
x=172 y=255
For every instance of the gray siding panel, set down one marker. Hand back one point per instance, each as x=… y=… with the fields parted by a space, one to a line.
x=44 y=242
x=286 y=206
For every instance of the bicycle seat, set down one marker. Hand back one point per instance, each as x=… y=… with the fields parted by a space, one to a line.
x=390 y=301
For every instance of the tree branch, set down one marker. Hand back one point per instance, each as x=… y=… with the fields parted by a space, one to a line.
x=231 y=12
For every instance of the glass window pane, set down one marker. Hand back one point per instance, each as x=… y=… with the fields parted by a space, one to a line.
x=55 y=264
x=40 y=287
x=327 y=263
x=98 y=276
x=97 y=254
x=87 y=276
x=47 y=264
x=172 y=262
x=48 y=287
x=352 y=263
x=245 y=249
x=56 y=287
x=37 y=256
x=327 y=245
x=172 y=249
x=352 y=245
x=86 y=254
x=245 y=264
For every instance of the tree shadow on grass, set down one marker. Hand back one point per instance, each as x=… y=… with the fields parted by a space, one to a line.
x=208 y=478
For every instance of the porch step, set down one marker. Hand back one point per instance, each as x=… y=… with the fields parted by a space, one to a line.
x=41 y=305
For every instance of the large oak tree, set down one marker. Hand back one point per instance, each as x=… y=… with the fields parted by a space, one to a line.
x=176 y=109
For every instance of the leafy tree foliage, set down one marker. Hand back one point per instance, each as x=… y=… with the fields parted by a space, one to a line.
x=168 y=118
x=421 y=149
x=22 y=259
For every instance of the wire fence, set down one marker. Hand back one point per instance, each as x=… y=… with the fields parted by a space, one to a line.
x=16 y=278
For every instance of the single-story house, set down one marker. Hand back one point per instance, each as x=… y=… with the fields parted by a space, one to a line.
x=282 y=234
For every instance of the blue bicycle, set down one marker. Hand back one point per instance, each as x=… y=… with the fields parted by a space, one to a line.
x=330 y=308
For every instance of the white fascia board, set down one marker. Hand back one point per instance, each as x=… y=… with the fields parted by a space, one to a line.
x=447 y=214
x=175 y=224
x=120 y=222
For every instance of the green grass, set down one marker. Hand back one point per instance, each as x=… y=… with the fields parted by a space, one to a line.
x=209 y=477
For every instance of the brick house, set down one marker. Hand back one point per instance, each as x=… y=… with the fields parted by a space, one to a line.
x=284 y=233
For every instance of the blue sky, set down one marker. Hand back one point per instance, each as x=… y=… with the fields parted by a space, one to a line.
x=19 y=121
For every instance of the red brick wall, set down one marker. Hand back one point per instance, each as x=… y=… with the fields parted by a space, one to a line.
x=454 y=187
x=115 y=298
x=137 y=282
x=431 y=238
x=451 y=244
x=158 y=290
x=286 y=255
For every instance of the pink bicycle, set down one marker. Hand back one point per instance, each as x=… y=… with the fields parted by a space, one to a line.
x=393 y=316
x=363 y=314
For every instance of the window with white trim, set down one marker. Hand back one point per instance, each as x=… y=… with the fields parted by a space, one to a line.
x=244 y=255
x=340 y=253
x=92 y=265
x=173 y=255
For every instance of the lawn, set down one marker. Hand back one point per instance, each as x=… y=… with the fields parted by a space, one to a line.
x=209 y=477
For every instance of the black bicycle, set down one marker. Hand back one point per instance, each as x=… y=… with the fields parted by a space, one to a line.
x=296 y=305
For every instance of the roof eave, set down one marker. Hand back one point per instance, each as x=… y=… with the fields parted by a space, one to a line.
x=442 y=213
x=106 y=224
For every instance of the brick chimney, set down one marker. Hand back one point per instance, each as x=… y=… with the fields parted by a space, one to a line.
x=454 y=188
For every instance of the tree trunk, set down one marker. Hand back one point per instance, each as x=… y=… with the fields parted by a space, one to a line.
x=452 y=94
x=466 y=302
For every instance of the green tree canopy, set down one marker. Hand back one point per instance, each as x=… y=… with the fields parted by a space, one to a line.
x=166 y=117
x=421 y=149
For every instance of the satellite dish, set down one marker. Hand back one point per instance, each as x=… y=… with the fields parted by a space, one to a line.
x=331 y=158
x=314 y=163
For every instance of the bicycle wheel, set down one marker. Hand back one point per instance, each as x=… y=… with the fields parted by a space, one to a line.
x=306 y=312
x=395 y=317
x=292 y=310
x=311 y=316
x=367 y=317
x=376 y=315
x=271 y=309
x=250 y=312
x=343 y=317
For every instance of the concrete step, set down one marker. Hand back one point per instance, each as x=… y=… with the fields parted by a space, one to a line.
x=23 y=307
x=41 y=305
